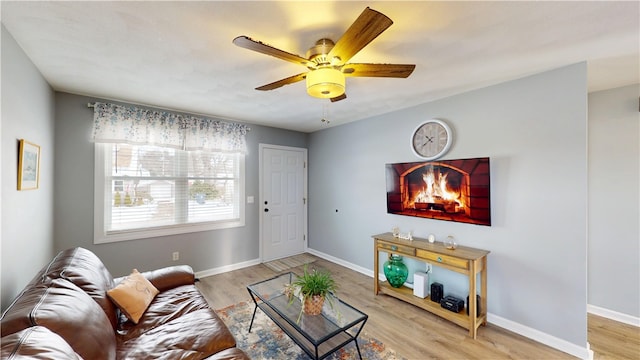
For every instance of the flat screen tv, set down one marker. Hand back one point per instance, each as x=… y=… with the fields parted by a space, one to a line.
x=452 y=190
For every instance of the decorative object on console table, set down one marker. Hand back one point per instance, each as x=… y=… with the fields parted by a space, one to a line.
x=396 y=271
x=399 y=235
x=28 y=166
x=451 y=243
x=436 y=292
x=421 y=284
x=396 y=231
x=452 y=303
x=477 y=305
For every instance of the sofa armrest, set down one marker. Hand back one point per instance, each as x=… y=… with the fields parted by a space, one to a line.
x=168 y=277
x=36 y=342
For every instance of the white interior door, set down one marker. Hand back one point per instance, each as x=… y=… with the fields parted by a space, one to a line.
x=282 y=201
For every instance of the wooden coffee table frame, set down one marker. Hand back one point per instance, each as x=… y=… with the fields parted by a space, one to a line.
x=317 y=335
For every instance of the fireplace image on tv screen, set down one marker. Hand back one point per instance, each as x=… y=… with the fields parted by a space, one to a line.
x=452 y=190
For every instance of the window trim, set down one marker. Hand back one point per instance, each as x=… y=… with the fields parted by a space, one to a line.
x=101 y=236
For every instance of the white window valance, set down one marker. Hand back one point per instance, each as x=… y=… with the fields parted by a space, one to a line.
x=137 y=126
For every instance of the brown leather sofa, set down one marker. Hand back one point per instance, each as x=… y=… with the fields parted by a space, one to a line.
x=64 y=313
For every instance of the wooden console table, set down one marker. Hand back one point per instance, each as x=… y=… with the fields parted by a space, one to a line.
x=464 y=260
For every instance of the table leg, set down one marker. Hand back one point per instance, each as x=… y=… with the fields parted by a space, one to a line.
x=355 y=338
x=254 y=310
x=376 y=255
x=473 y=318
x=483 y=290
x=358 y=348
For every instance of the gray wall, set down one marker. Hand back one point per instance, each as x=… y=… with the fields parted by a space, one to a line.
x=535 y=132
x=74 y=202
x=614 y=198
x=27 y=216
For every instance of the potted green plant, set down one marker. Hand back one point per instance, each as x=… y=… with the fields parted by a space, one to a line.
x=313 y=287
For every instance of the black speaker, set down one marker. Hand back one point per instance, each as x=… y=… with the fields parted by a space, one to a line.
x=452 y=303
x=477 y=305
x=437 y=290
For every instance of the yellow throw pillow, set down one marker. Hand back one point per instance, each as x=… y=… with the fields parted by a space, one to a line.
x=133 y=295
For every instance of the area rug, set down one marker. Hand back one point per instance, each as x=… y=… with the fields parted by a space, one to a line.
x=267 y=341
x=290 y=262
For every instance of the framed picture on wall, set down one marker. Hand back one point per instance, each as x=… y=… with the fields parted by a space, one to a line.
x=28 y=166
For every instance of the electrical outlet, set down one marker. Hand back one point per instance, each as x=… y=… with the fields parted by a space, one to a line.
x=176 y=256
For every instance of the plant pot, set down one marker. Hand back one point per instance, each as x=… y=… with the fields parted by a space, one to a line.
x=313 y=305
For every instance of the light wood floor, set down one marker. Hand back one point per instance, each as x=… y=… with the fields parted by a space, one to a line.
x=613 y=340
x=417 y=334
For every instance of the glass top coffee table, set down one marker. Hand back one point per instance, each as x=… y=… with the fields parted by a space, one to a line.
x=318 y=335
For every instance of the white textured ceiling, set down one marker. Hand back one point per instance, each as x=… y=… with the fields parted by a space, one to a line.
x=179 y=55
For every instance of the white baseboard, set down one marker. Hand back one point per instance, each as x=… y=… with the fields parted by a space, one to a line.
x=541 y=337
x=613 y=315
x=533 y=334
x=338 y=261
x=227 y=268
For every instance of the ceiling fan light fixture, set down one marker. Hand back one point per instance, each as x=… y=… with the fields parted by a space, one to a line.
x=325 y=83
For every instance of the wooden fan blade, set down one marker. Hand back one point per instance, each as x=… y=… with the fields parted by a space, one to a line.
x=340 y=97
x=283 y=82
x=378 y=70
x=367 y=27
x=248 y=43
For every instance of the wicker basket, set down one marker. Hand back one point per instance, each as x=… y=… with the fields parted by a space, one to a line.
x=313 y=305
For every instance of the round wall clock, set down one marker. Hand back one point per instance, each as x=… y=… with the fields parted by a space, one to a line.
x=431 y=139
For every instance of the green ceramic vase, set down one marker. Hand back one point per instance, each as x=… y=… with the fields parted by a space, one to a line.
x=396 y=271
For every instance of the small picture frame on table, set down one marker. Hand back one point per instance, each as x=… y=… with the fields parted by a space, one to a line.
x=28 y=166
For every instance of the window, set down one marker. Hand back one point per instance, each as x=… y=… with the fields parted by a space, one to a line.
x=144 y=191
x=160 y=173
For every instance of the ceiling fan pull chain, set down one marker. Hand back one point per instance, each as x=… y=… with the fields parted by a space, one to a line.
x=325 y=114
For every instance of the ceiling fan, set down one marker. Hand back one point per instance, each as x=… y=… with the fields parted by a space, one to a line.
x=328 y=61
